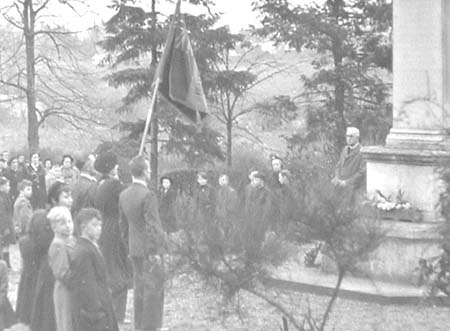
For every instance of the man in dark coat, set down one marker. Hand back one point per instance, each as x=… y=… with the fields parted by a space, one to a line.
x=350 y=169
x=227 y=204
x=87 y=282
x=258 y=209
x=111 y=243
x=284 y=204
x=83 y=189
x=142 y=230
x=349 y=176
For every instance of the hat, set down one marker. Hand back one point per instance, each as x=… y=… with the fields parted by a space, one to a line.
x=259 y=175
x=105 y=162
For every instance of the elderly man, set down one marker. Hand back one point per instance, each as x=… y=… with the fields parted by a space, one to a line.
x=350 y=170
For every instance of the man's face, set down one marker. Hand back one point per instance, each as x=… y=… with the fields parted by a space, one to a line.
x=352 y=138
x=257 y=182
x=48 y=164
x=65 y=199
x=67 y=163
x=166 y=183
x=201 y=181
x=14 y=164
x=93 y=229
x=21 y=158
x=223 y=180
x=5 y=156
x=276 y=165
x=35 y=159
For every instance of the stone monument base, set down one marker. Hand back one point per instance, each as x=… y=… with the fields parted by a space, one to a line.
x=396 y=260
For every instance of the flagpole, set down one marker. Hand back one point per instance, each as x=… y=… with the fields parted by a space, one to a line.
x=149 y=116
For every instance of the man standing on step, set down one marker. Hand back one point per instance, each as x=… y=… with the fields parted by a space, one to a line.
x=351 y=169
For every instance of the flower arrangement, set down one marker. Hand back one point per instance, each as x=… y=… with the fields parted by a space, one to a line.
x=391 y=208
x=380 y=201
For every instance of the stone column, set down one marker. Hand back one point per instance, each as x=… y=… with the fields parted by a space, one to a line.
x=419 y=140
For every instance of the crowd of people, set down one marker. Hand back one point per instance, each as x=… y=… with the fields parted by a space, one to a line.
x=85 y=238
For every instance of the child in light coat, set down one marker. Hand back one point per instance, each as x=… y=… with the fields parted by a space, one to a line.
x=58 y=257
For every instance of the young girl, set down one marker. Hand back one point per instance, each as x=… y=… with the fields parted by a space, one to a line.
x=58 y=257
x=42 y=314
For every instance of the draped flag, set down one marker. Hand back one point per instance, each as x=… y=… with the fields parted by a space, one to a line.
x=179 y=78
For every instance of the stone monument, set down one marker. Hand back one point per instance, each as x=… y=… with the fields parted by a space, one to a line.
x=418 y=141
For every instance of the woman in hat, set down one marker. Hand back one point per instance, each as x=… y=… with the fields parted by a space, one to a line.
x=110 y=242
x=36 y=173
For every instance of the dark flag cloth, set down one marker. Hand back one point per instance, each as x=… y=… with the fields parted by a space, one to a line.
x=180 y=82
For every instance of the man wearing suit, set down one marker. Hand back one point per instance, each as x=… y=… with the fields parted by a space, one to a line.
x=350 y=171
x=142 y=231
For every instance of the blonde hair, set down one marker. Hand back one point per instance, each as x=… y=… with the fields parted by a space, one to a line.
x=58 y=214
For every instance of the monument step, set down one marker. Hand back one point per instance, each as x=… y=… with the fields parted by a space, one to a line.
x=313 y=280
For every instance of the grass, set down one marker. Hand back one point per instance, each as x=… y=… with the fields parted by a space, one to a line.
x=191 y=306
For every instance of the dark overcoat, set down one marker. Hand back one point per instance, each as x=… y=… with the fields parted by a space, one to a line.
x=83 y=194
x=167 y=209
x=7 y=232
x=39 y=195
x=227 y=202
x=28 y=277
x=351 y=167
x=43 y=312
x=258 y=211
x=111 y=242
x=140 y=222
x=205 y=204
x=88 y=285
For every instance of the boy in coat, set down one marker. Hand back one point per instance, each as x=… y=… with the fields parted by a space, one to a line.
x=87 y=282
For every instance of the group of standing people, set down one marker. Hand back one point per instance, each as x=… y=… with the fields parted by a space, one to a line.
x=85 y=238
x=93 y=241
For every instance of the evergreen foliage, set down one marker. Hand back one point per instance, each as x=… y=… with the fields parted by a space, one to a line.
x=354 y=41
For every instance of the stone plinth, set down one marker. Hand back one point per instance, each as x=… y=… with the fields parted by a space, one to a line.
x=413 y=171
x=397 y=258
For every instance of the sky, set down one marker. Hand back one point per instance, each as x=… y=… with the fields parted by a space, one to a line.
x=237 y=14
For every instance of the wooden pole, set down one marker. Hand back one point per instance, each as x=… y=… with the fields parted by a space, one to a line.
x=149 y=116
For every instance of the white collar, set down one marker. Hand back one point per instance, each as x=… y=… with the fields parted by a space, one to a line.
x=354 y=146
x=139 y=181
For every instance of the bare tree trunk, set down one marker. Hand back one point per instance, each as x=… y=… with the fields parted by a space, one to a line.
x=334 y=296
x=154 y=128
x=33 y=125
x=229 y=143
